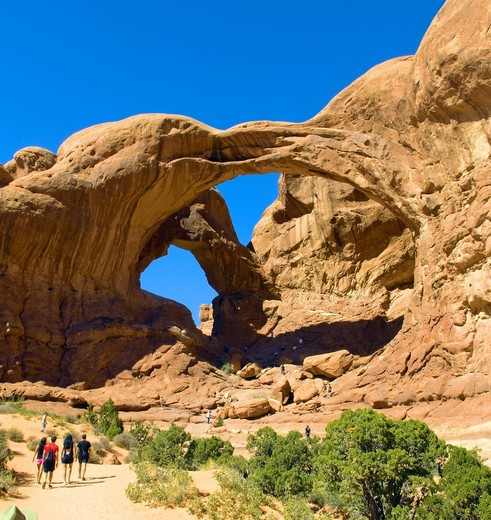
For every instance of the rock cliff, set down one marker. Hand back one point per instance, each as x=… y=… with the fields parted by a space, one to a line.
x=379 y=243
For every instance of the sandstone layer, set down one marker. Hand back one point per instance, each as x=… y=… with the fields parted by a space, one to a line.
x=379 y=243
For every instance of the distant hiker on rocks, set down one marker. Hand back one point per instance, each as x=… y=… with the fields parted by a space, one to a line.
x=50 y=461
x=283 y=369
x=67 y=459
x=83 y=454
x=307 y=432
x=44 y=421
x=208 y=417
x=275 y=359
x=38 y=457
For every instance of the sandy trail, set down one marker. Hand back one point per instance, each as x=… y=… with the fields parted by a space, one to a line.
x=101 y=496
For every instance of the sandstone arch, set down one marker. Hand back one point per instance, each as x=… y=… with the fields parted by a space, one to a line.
x=412 y=134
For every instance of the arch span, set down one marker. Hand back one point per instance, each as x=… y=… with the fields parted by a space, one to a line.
x=403 y=135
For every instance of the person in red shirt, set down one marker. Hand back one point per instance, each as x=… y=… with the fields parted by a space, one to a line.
x=50 y=461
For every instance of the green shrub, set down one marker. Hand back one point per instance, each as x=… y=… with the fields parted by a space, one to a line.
x=164 y=487
x=238 y=498
x=280 y=466
x=15 y=405
x=96 y=457
x=166 y=448
x=130 y=458
x=484 y=507
x=371 y=463
x=7 y=480
x=50 y=432
x=6 y=453
x=108 y=420
x=227 y=368
x=126 y=441
x=71 y=418
x=140 y=431
x=32 y=443
x=8 y=408
x=296 y=509
x=100 y=447
x=262 y=443
x=89 y=416
x=464 y=490
x=14 y=434
x=200 y=451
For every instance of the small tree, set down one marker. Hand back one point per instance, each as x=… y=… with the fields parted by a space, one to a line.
x=89 y=415
x=166 y=448
x=140 y=431
x=372 y=463
x=280 y=466
x=108 y=421
x=463 y=492
x=262 y=443
x=200 y=451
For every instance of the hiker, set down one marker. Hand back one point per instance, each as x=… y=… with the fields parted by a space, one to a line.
x=50 y=461
x=208 y=417
x=307 y=432
x=38 y=457
x=283 y=369
x=67 y=459
x=44 y=421
x=83 y=454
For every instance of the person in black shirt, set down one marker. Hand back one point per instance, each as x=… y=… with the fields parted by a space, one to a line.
x=83 y=454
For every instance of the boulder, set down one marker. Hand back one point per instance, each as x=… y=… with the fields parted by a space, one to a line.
x=305 y=391
x=250 y=371
x=281 y=390
x=331 y=365
x=249 y=409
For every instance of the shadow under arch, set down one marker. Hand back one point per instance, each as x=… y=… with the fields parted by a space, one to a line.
x=233 y=270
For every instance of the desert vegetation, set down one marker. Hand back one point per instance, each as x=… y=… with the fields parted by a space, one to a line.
x=7 y=479
x=366 y=466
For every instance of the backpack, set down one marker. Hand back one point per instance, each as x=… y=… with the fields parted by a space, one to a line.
x=49 y=455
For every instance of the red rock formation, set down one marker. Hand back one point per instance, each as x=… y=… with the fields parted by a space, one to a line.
x=412 y=134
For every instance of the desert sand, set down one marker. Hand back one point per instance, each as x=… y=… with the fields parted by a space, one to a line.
x=101 y=496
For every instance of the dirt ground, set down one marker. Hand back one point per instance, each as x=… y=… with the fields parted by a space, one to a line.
x=101 y=496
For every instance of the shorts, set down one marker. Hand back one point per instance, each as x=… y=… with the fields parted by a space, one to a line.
x=48 y=466
x=67 y=459
x=84 y=459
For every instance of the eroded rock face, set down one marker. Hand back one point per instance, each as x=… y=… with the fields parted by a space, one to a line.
x=407 y=235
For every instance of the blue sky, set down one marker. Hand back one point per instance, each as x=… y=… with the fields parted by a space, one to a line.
x=70 y=65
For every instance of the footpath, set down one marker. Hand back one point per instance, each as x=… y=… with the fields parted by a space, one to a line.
x=102 y=496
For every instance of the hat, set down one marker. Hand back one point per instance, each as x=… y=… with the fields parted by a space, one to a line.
x=13 y=513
